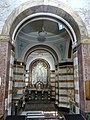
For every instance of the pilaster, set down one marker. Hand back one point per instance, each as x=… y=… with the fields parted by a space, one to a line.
x=84 y=74
x=4 y=71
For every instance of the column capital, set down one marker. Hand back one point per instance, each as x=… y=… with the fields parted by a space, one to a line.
x=5 y=38
x=87 y=40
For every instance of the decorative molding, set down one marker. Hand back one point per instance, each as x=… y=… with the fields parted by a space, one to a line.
x=86 y=41
x=4 y=38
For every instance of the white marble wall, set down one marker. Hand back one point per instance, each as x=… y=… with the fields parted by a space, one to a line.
x=82 y=8
x=66 y=85
x=76 y=83
x=10 y=82
x=19 y=79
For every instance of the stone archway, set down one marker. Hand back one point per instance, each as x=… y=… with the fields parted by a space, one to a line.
x=17 y=18
x=59 y=9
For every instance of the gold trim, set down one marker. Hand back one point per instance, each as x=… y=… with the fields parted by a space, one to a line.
x=66 y=88
x=60 y=102
x=56 y=81
x=65 y=95
x=53 y=82
x=18 y=66
x=11 y=66
x=76 y=79
x=61 y=74
x=56 y=87
x=1 y=116
x=18 y=80
x=15 y=73
x=75 y=67
x=66 y=81
x=52 y=77
x=76 y=91
x=19 y=88
x=66 y=66
x=77 y=104
x=10 y=91
x=86 y=41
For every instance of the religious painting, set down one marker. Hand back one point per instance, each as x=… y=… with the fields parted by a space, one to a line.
x=39 y=72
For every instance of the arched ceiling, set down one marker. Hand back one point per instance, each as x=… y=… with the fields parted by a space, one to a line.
x=40 y=54
x=54 y=31
x=56 y=36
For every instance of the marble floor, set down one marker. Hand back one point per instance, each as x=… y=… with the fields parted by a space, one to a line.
x=42 y=115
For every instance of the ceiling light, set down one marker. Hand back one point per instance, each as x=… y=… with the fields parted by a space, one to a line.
x=42 y=35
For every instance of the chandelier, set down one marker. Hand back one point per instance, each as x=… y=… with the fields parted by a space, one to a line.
x=42 y=35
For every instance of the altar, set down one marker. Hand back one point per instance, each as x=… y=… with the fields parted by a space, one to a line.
x=38 y=92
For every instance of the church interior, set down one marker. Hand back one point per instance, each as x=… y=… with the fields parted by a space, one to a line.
x=44 y=60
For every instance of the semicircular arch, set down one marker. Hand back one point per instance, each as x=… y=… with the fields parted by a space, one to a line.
x=60 y=9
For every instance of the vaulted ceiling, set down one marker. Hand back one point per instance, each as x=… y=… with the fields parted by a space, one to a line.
x=32 y=34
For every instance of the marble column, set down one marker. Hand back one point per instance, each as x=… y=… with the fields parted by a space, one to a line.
x=84 y=75
x=11 y=77
x=76 y=82
x=4 y=72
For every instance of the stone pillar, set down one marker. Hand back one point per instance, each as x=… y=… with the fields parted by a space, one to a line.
x=11 y=77
x=84 y=75
x=4 y=72
x=76 y=82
